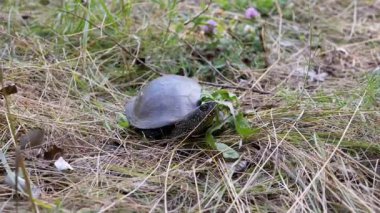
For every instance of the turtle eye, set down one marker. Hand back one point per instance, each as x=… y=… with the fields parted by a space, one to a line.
x=204 y=107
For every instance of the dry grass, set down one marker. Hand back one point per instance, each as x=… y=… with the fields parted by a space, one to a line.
x=319 y=149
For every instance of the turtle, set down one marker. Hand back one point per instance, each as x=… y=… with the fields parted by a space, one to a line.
x=169 y=107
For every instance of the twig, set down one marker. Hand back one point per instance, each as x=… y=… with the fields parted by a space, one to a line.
x=354 y=21
x=234 y=87
x=19 y=163
x=199 y=14
x=262 y=40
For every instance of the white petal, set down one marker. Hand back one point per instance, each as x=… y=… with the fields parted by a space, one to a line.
x=248 y=29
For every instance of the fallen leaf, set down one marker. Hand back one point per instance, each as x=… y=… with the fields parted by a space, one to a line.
x=227 y=151
x=8 y=90
x=314 y=76
x=62 y=165
x=238 y=166
x=53 y=153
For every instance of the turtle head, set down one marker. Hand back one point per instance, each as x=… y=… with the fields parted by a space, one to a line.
x=198 y=121
x=206 y=113
x=207 y=107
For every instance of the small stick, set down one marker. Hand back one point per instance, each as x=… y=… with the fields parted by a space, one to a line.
x=199 y=14
x=234 y=87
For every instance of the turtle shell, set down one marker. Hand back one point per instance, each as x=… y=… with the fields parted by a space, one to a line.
x=163 y=101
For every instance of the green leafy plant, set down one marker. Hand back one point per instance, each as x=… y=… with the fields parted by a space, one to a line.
x=265 y=5
x=227 y=104
x=232 y=41
x=122 y=121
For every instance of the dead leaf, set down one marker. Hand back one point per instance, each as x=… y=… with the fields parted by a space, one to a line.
x=62 y=165
x=52 y=153
x=314 y=76
x=8 y=90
